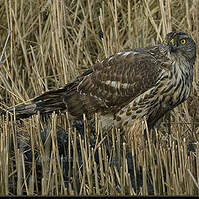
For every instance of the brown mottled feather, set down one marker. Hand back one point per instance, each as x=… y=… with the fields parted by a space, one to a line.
x=143 y=82
x=127 y=68
x=89 y=93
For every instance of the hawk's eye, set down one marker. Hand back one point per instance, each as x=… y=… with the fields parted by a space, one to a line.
x=183 y=41
x=172 y=42
x=165 y=42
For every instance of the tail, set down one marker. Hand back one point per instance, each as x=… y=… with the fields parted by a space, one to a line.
x=56 y=100
x=45 y=104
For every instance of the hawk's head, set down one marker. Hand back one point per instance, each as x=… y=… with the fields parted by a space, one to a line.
x=181 y=44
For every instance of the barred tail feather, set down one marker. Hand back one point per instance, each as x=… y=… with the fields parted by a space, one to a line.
x=45 y=104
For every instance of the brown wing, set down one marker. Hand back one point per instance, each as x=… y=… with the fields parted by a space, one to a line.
x=106 y=88
x=115 y=82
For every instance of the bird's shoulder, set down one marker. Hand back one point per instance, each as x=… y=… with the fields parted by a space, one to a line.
x=120 y=78
x=127 y=68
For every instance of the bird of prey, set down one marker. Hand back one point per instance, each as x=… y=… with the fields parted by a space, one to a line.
x=144 y=82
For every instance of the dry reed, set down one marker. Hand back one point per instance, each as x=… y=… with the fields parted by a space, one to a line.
x=44 y=45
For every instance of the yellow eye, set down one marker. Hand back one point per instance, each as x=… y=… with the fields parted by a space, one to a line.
x=172 y=42
x=165 y=42
x=183 y=41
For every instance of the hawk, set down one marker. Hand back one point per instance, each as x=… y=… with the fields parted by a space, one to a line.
x=144 y=82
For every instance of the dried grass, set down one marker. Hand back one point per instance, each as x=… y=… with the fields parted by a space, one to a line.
x=45 y=44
